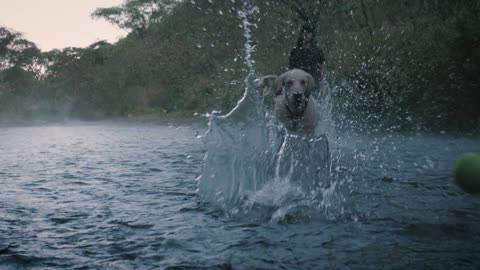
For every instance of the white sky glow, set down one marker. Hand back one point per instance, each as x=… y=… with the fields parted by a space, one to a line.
x=56 y=24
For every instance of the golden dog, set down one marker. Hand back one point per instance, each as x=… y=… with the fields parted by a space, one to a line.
x=295 y=105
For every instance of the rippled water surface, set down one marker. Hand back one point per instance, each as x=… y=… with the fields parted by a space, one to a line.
x=123 y=196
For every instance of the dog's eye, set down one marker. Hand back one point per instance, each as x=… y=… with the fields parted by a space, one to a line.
x=289 y=83
x=303 y=82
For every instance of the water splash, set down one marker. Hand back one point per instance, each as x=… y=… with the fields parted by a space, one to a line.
x=244 y=14
x=255 y=167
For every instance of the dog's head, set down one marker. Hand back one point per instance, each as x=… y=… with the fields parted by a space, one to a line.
x=297 y=86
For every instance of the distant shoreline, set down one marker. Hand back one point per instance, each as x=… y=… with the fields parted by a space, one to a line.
x=160 y=119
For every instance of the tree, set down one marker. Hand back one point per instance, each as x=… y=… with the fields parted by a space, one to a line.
x=136 y=15
x=15 y=50
x=309 y=11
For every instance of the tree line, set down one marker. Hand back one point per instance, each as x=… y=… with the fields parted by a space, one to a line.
x=404 y=64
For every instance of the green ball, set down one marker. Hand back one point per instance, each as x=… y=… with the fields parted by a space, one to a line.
x=467 y=172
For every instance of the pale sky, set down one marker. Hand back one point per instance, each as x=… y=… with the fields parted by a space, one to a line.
x=59 y=23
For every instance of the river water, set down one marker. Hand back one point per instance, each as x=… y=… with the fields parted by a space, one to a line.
x=113 y=195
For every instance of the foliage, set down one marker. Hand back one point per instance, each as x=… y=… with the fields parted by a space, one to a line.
x=136 y=15
x=409 y=74
x=14 y=49
x=395 y=64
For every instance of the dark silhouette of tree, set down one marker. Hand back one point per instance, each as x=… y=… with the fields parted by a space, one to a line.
x=15 y=50
x=135 y=15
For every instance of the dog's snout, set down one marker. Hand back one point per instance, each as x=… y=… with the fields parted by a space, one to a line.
x=297 y=95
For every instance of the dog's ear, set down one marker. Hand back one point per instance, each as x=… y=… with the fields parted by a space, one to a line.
x=278 y=85
x=310 y=85
x=267 y=83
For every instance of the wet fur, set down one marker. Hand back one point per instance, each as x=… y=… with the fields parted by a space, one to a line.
x=295 y=105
